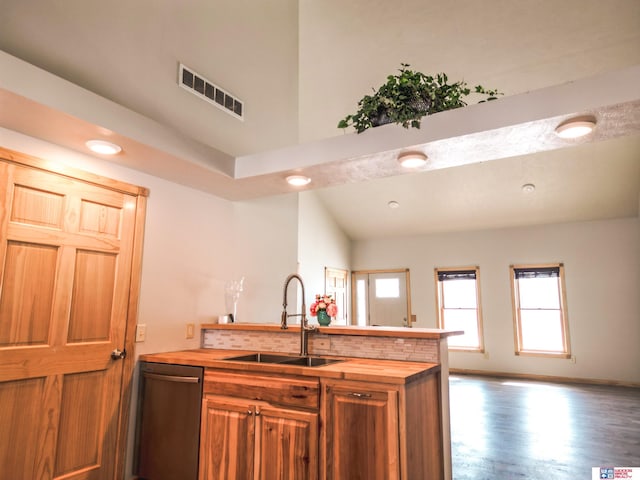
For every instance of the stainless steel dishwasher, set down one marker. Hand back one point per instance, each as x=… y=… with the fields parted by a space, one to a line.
x=168 y=422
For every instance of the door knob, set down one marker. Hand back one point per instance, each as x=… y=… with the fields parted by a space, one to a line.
x=118 y=354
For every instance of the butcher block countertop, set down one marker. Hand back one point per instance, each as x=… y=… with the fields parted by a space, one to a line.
x=399 y=332
x=362 y=369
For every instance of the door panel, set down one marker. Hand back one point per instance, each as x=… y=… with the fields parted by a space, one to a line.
x=21 y=402
x=26 y=302
x=81 y=409
x=36 y=207
x=362 y=434
x=94 y=279
x=97 y=218
x=288 y=444
x=227 y=440
x=66 y=254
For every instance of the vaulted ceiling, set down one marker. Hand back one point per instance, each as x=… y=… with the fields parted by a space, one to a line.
x=75 y=69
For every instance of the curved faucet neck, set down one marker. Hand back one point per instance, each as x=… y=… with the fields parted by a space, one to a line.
x=303 y=319
x=286 y=284
x=304 y=327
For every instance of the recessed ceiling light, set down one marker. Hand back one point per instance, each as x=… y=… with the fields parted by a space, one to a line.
x=412 y=159
x=576 y=127
x=528 y=188
x=103 y=147
x=298 y=180
x=393 y=204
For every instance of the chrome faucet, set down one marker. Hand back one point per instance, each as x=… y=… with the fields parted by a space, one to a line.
x=305 y=328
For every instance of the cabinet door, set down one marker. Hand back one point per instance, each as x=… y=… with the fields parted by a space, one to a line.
x=287 y=442
x=361 y=432
x=227 y=439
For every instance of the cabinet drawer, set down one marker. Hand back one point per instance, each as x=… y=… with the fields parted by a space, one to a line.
x=290 y=391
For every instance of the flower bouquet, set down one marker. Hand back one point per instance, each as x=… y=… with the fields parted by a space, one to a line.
x=324 y=308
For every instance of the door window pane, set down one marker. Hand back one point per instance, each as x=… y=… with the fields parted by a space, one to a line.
x=387 y=288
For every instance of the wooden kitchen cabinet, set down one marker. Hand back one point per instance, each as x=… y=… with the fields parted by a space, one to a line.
x=381 y=431
x=260 y=432
x=280 y=426
x=362 y=440
x=227 y=439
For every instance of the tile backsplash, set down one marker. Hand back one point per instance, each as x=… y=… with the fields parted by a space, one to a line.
x=391 y=348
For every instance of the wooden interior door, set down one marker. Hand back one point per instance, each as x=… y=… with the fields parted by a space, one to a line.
x=335 y=284
x=66 y=256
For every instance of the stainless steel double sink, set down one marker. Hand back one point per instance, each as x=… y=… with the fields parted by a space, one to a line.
x=284 y=359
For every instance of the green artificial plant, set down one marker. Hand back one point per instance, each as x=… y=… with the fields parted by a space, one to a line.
x=407 y=97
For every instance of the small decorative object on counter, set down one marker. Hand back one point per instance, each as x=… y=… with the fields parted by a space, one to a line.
x=324 y=308
x=232 y=291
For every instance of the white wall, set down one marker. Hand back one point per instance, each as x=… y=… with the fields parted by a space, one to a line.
x=266 y=250
x=321 y=244
x=602 y=268
x=249 y=49
x=347 y=48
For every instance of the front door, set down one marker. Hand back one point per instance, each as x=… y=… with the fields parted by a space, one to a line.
x=66 y=254
x=388 y=299
x=381 y=298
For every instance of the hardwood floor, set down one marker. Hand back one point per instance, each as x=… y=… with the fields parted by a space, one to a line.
x=503 y=429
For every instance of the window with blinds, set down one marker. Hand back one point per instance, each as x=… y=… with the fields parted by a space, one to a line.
x=539 y=310
x=458 y=301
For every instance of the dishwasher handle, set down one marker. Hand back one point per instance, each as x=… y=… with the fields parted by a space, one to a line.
x=171 y=378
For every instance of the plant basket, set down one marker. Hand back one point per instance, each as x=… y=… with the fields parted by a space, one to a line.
x=407 y=97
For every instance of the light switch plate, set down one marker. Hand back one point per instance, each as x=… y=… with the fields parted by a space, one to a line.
x=190 y=330
x=141 y=332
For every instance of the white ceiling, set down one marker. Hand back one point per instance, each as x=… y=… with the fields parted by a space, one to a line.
x=583 y=183
x=300 y=66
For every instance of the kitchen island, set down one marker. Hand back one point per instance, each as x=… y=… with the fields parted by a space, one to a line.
x=380 y=411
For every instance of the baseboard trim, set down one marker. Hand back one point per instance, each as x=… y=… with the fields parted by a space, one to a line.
x=544 y=378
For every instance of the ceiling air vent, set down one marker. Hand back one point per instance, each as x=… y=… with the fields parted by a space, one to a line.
x=203 y=88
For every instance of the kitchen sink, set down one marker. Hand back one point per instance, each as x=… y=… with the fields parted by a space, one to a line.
x=284 y=359
x=262 y=358
x=311 y=361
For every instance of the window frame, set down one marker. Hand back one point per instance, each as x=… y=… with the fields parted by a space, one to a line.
x=440 y=306
x=515 y=304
